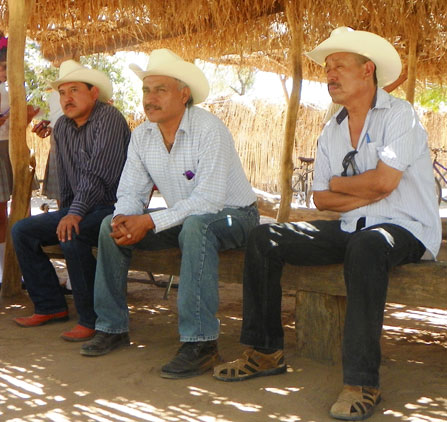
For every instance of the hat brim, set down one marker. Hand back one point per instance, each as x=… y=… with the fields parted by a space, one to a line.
x=90 y=76
x=377 y=49
x=186 y=72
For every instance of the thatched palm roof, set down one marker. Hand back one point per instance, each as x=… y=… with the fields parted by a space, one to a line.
x=257 y=30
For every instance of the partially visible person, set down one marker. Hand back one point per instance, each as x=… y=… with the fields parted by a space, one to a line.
x=5 y=163
x=190 y=156
x=43 y=129
x=373 y=166
x=91 y=146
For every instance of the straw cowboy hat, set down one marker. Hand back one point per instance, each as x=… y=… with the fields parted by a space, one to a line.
x=376 y=48
x=164 y=62
x=72 y=71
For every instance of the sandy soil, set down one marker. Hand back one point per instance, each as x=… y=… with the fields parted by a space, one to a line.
x=43 y=378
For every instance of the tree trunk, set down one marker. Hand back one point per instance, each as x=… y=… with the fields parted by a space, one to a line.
x=294 y=24
x=23 y=172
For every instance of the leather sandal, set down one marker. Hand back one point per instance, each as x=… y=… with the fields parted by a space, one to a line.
x=252 y=364
x=40 y=319
x=79 y=333
x=355 y=403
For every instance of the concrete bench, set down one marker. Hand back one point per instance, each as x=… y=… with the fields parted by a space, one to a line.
x=320 y=292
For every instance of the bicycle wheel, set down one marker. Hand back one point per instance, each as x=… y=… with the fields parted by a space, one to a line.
x=443 y=186
x=297 y=180
x=438 y=190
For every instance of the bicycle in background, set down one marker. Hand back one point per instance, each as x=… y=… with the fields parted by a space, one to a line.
x=302 y=181
x=440 y=172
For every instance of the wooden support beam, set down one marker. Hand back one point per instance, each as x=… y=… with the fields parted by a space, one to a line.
x=412 y=65
x=18 y=150
x=296 y=44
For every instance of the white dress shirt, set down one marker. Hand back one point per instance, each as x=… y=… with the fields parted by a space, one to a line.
x=202 y=174
x=393 y=134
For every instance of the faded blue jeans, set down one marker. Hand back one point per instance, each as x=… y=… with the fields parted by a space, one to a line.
x=200 y=238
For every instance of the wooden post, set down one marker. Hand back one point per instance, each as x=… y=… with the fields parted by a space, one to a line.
x=18 y=150
x=319 y=322
x=412 y=64
x=296 y=42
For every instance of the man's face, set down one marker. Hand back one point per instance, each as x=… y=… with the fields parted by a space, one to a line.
x=77 y=101
x=346 y=77
x=163 y=101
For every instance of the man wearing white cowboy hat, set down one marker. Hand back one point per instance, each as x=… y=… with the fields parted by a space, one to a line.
x=91 y=144
x=189 y=154
x=372 y=162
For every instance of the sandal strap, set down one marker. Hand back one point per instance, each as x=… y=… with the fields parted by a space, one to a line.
x=251 y=363
x=355 y=402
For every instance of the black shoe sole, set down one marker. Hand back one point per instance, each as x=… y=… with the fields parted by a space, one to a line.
x=266 y=373
x=93 y=353
x=180 y=375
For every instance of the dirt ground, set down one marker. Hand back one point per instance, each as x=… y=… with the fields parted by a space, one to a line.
x=44 y=378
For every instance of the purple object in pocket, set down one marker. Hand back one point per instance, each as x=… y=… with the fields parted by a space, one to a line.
x=188 y=174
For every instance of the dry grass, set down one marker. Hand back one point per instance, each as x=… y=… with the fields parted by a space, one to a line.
x=249 y=31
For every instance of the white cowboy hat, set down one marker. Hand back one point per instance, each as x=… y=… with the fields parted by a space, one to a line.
x=377 y=49
x=164 y=62
x=72 y=71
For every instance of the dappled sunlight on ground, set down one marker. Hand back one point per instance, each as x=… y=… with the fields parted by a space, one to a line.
x=44 y=379
x=416 y=325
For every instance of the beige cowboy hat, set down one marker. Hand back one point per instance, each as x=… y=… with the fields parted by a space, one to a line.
x=377 y=49
x=164 y=62
x=72 y=71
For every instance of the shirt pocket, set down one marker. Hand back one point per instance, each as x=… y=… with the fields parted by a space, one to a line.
x=371 y=156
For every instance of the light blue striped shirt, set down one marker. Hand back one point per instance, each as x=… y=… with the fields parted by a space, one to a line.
x=204 y=147
x=393 y=134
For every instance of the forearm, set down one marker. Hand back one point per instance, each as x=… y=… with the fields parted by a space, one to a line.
x=339 y=202
x=368 y=186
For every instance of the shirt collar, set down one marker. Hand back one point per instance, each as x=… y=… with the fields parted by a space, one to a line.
x=381 y=99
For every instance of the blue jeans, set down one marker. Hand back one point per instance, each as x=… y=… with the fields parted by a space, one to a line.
x=367 y=255
x=200 y=238
x=42 y=283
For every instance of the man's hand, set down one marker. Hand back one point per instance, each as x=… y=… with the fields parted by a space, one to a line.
x=130 y=229
x=3 y=119
x=66 y=225
x=42 y=130
x=31 y=112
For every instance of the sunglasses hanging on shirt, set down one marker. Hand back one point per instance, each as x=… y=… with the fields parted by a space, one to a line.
x=349 y=161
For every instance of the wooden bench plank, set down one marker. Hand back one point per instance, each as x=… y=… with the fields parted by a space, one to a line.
x=320 y=292
x=421 y=284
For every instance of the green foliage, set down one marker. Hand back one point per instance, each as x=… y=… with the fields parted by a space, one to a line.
x=432 y=97
x=39 y=71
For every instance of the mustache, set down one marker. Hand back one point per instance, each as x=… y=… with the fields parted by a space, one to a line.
x=68 y=105
x=150 y=106
x=333 y=84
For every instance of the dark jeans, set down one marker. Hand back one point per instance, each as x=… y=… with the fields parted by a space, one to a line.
x=367 y=255
x=42 y=283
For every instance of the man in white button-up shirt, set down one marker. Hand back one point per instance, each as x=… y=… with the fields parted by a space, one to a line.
x=189 y=154
x=373 y=166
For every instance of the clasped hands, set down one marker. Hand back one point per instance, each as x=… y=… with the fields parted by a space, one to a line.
x=130 y=229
